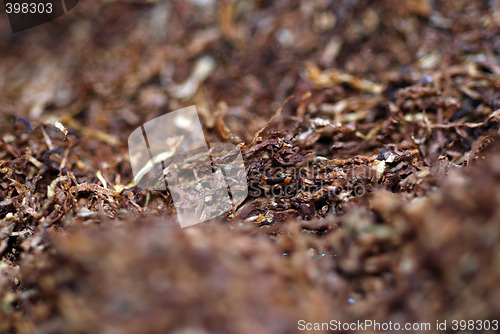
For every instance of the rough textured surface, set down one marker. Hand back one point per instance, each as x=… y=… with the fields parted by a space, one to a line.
x=374 y=190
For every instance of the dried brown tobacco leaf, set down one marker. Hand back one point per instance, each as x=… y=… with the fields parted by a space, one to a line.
x=403 y=104
x=331 y=78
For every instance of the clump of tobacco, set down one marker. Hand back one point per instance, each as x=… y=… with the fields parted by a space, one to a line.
x=369 y=133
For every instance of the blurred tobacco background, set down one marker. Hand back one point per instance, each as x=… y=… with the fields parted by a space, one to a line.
x=397 y=98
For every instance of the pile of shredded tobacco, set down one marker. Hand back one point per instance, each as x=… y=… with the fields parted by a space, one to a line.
x=370 y=136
